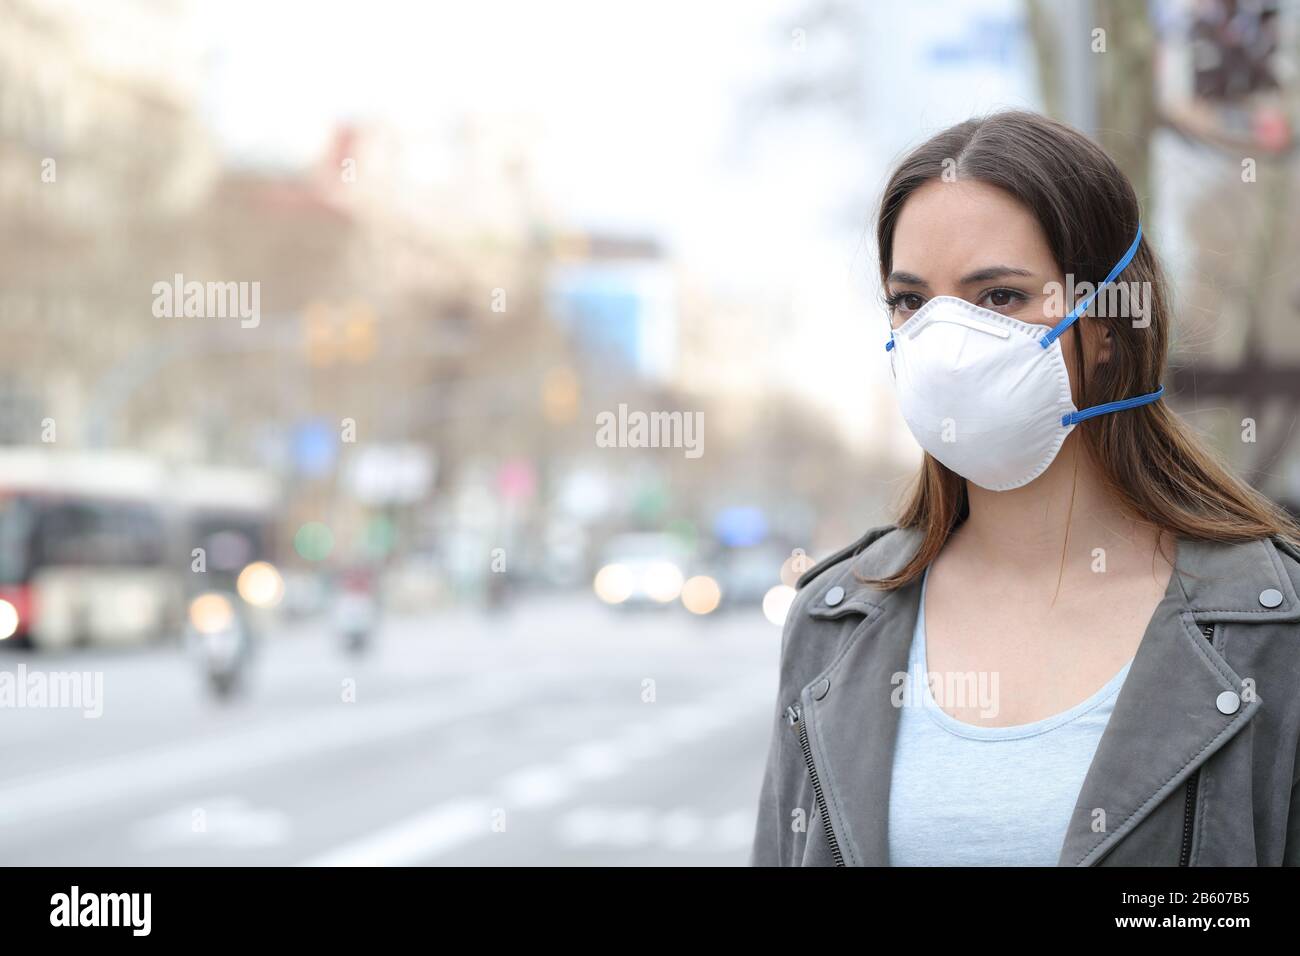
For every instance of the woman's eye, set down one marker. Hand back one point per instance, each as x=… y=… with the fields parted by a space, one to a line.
x=906 y=302
x=1002 y=298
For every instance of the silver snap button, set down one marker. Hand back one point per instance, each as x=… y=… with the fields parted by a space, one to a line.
x=821 y=688
x=1270 y=598
x=1228 y=702
x=835 y=595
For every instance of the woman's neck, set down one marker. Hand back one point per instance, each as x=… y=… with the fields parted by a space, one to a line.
x=1066 y=514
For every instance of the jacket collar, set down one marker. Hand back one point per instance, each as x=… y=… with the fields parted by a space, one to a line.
x=1165 y=724
x=1220 y=582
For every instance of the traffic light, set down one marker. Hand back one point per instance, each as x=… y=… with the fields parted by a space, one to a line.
x=1233 y=42
x=334 y=333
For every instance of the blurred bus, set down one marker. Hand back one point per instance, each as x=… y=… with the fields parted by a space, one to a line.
x=99 y=548
x=85 y=549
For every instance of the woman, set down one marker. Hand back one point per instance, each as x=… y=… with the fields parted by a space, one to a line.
x=1080 y=644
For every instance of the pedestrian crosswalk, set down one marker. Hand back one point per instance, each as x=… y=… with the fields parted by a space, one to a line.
x=638 y=827
x=461 y=751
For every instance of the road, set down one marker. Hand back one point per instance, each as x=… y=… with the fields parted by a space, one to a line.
x=556 y=733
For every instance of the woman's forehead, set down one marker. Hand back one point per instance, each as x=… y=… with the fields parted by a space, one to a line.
x=956 y=227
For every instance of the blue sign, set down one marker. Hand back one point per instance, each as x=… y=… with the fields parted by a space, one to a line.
x=740 y=527
x=315 y=448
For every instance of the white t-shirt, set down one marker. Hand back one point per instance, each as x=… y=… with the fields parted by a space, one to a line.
x=967 y=795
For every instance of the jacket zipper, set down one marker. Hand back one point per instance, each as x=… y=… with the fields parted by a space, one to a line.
x=794 y=717
x=1189 y=801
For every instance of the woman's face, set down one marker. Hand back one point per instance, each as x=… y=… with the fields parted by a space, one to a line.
x=975 y=242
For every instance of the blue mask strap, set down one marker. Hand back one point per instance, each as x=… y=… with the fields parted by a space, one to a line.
x=1069 y=320
x=1125 y=403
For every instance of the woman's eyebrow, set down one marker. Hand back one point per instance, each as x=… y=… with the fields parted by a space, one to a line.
x=907 y=278
x=992 y=272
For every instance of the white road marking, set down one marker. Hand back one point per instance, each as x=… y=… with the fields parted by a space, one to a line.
x=456 y=822
x=162 y=769
x=595 y=761
x=532 y=788
x=675 y=829
x=213 y=822
x=443 y=828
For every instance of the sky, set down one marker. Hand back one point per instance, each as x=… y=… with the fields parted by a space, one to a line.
x=640 y=122
x=636 y=107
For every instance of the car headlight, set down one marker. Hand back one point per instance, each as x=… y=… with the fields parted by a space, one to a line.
x=8 y=619
x=662 y=581
x=776 y=603
x=260 y=584
x=211 y=613
x=701 y=594
x=614 y=583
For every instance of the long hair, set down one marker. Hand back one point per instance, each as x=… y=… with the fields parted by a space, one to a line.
x=1152 y=464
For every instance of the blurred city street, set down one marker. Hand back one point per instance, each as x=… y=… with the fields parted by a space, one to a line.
x=415 y=420
x=531 y=737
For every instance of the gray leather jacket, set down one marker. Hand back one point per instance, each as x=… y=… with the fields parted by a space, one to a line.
x=1198 y=764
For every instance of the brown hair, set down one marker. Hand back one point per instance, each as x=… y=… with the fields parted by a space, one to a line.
x=1150 y=461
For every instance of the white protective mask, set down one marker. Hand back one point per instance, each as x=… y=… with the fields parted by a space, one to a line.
x=989 y=395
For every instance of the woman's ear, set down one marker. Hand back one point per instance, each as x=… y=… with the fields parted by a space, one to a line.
x=1105 y=343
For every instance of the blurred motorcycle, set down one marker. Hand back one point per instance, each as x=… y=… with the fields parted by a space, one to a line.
x=356 y=609
x=219 y=633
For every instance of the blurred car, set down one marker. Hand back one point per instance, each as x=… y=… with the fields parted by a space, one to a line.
x=306 y=594
x=641 y=569
x=416 y=583
x=746 y=575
